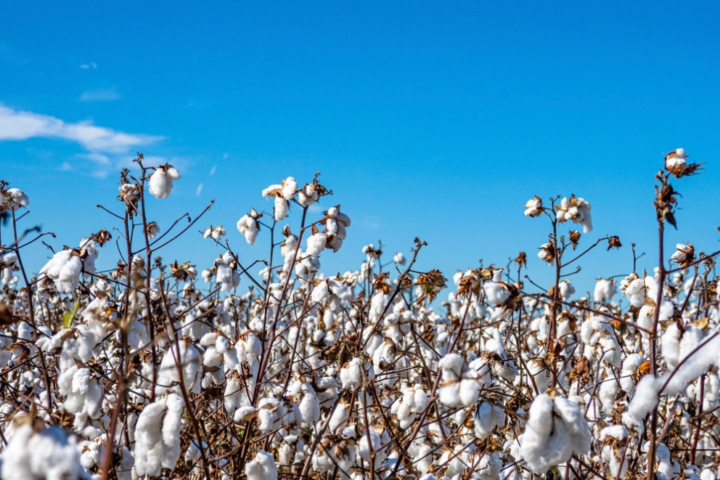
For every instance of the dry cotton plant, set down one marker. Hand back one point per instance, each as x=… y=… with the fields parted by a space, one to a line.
x=269 y=369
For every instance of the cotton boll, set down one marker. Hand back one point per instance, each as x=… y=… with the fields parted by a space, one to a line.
x=289 y=188
x=247 y=225
x=630 y=365
x=606 y=392
x=309 y=406
x=48 y=454
x=315 y=244
x=489 y=468
x=148 y=439
x=320 y=292
x=64 y=269
x=487 y=417
x=554 y=430
x=533 y=207
x=604 y=290
x=351 y=374
x=495 y=291
x=566 y=290
x=262 y=467
x=171 y=430
x=161 y=181
x=16 y=198
x=281 y=208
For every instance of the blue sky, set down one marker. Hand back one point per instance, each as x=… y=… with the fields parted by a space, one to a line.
x=429 y=119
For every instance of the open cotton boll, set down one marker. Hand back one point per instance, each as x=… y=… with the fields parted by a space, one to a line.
x=47 y=454
x=247 y=225
x=64 y=269
x=289 y=188
x=567 y=290
x=281 y=208
x=489 y=468
x=487 y=417
x=262 y=467
x=554 y=430
x=533 y=207
x=171 y=430
x=351 y=374
x=630 y=365
x=16 y=198
x=495 y=292
x=604 y=290
x=315 y=244
x=161 y=181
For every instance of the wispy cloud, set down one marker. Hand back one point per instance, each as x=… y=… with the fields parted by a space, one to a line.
x=100 y=96
x=19 y=125
x=105 y=147
x=88 y=66
x=199 y=190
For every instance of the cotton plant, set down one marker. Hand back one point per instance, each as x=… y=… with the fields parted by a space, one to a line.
x=280 y=368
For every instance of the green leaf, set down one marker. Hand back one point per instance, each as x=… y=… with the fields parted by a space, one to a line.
x=70 y=316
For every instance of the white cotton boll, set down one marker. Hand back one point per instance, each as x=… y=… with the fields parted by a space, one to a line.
x=533 y=207
x=670 y=344
x=469 y=392
x=309 y=406
x=281 y=208
x=351 y=374
x=607 y=391
x=630 y=365
x=420 y=400
x=48 y=454
x=487 y=417
x=604 y=290
x=16 y=198
x=554 y=430
x=645 y=398
x=541 y=374
x=645 y=319
x=707 y=474
x=399 y=258
x=489 y=468
x=64 y=269
x=171 y=430
x=262 y=467
x=289 y=188
x=320 y=292
x=495 y=292
x=247 y=225
x=339 y=417
x=567 y=290
x=148 y=439
x=452 y=366
x=316 y=244
x=161 y=181
x=222 y=344
x=233 y=395
x=691 y=339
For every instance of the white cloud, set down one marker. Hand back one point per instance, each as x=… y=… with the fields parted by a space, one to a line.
x=18 y=125
x=106 y=148
x=212 y=170
x=100 y=96
x=88 y=66
x=199 y=190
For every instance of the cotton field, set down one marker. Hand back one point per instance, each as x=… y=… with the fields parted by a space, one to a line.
x=161 y=368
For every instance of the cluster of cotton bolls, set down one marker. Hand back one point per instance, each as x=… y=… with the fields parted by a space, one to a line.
x=152 y=370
